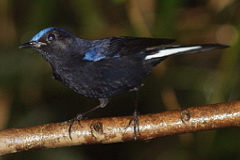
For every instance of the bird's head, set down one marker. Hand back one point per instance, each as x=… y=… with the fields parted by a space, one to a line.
x=51 y=42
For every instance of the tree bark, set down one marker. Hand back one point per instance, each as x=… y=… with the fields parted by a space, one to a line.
x=117 y=129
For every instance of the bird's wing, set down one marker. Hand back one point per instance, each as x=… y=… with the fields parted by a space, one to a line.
x=130 y=45
x=121 y=46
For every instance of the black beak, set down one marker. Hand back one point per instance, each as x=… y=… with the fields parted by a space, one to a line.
x=32 y=44
x=27 y=45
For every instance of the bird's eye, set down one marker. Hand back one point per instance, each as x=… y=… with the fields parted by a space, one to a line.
x=51 y=37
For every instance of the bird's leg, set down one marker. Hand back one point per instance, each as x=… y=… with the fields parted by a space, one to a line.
x=103 y=103
x=79 y=117
x=134 y=119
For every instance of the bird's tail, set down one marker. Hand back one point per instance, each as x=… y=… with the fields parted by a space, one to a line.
x=174 y=50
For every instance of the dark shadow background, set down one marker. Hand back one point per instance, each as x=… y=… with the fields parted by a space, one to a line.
x=29 y=96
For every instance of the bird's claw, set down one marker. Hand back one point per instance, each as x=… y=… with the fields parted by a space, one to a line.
x=135 y=121
x=78 y=118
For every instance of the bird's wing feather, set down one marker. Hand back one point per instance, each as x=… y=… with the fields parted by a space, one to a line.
x=131 y=45
x=121 y=46
x=175 y=50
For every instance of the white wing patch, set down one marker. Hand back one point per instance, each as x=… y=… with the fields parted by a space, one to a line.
x=170 y=51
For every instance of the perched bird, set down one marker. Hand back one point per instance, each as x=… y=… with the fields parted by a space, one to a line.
x=105 y=67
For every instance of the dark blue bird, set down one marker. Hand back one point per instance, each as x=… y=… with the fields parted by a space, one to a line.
x=106 y=67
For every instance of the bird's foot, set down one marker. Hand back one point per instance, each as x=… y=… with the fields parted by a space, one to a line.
x=78 y=118
x=135 y=121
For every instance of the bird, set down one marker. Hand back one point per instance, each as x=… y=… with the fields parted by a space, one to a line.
x=105 y=67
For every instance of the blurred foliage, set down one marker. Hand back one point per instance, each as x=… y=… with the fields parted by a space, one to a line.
x=29 y=96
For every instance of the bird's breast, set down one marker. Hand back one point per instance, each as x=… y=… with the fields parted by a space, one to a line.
x=103 y=78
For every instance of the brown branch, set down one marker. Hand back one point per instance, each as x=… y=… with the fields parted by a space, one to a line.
x=112 y=130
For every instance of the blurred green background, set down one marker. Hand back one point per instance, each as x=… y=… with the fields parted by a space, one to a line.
x=29 y=96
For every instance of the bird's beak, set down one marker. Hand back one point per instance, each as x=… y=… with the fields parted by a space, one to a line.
x=32 y=44
x=26 y=45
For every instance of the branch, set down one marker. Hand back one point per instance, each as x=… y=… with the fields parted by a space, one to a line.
x=112 y=130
